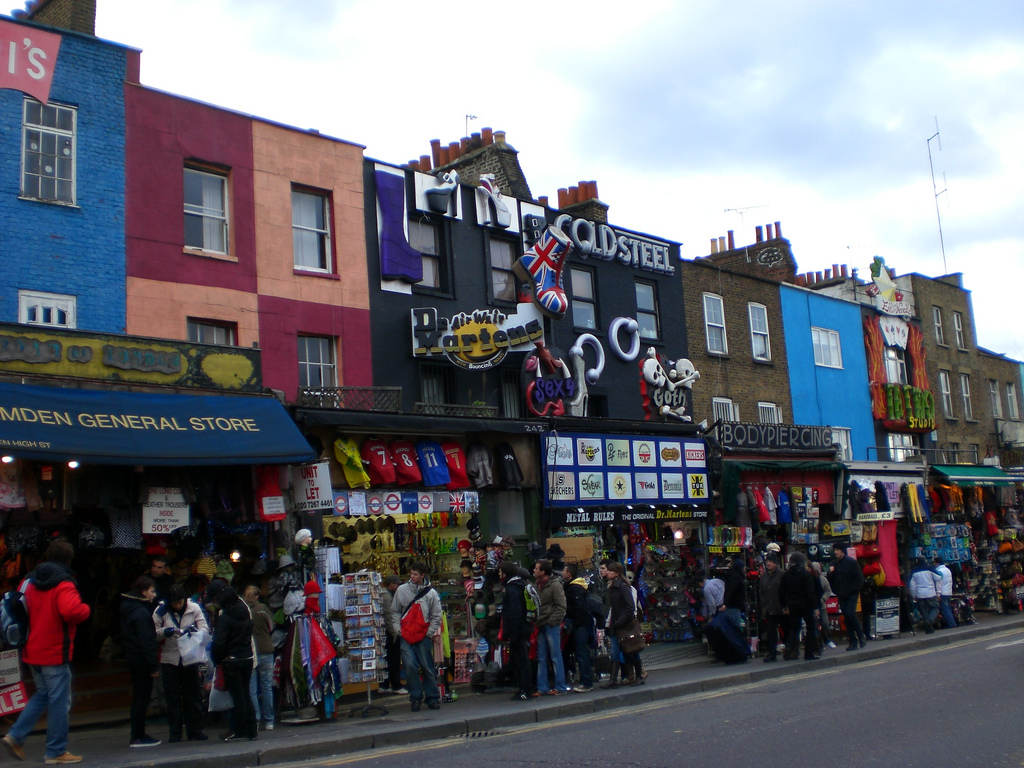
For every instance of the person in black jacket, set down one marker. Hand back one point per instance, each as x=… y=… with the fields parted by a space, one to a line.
x=846 y=579
x=623 y=613
x=581 y=622
x=232 y=650
x=735 y=598
x=142 y=654
x=515 y=629
x=799 y=601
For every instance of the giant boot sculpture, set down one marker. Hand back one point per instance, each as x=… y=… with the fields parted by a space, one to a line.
x=541 y=266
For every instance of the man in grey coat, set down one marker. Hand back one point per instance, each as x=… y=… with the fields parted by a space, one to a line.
x=418 y=655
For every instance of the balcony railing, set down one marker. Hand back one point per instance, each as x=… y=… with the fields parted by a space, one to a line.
x=387 y=399
x=447 y=409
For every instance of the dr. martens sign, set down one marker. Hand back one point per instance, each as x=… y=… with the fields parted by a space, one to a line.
x=474 y=340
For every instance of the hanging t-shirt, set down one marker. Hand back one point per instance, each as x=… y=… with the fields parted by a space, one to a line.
x=377 y=459
x=347 y=454
x=456 y=461
x=479 y=465
x=403 y=456
x=433 y=464
x=508 y=464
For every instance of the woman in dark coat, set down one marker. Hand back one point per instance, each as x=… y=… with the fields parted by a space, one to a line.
x=142 y=654
x=623 y=613
x=799 y=599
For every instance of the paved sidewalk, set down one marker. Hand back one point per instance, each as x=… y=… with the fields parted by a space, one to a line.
x=479 y=712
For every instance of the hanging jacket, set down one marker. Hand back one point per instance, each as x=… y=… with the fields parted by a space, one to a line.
x=785 y=513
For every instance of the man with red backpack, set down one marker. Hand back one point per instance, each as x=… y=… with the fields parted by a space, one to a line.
x=418 y=608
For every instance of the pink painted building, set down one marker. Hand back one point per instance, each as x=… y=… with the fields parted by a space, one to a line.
x=244 y=232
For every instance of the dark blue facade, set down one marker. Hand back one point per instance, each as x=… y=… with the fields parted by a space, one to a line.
x=824 y=395
x=74 y=250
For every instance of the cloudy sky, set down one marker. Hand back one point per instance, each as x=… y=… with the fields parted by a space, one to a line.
x=693 y=117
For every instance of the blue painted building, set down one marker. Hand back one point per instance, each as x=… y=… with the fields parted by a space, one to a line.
x=62 y=181
x=828 y=371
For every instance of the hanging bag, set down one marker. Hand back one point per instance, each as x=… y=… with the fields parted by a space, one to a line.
x=631 y=637
x=192 y=647
x=414 y=623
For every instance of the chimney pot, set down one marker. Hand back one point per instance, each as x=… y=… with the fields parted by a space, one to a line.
x=414 y=165
x=828 y=274
x=424 y=163
x=759 y=233
x=453 y=151
x=593 y=189
x=435 y=151
x=464 y=144
x=768 y=232
x=714 y=245
x=835 y=270
x=574 y=195
x=778 y=229
x=499 y=137
x=817 y=277
x=443 y=156
x=844 y=271
x=721 y=244
x=732 y=242
x=563 y=198
x=801 y=280
x=543 y=200
x=475 y=142
x=486 y=136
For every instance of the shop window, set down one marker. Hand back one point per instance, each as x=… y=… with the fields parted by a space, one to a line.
x=316 y=362
x=997 y=406
x=954 y=454
x=902 y=447
x=584 y=302
x=958 y=328
x=647 y=310
x=841 y=439
x=437 y=385
x=965 y=395
x=50 y=309
x=209 y=332
x=502 y=256
x=973 y=454
x=759 y=331
x=48 y=151
x=940 y=335
x=947 y=394
x=725 y=409
x=714 y=324
x=1011 y=401
x=895 y=366
x=206 y=210
x=511 y=396
x=511 y=513
x=311 y=230
x=769 y=413
x=425 y=237
x=827 y=352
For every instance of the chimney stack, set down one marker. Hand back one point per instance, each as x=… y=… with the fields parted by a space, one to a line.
x=714 y=245
x=563 y=198
x=732 y=243
x=759 y=233
x=778 y=229
x=486 y=136
x=435 y=152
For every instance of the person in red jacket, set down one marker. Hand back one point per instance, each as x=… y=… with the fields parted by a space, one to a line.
x=55 y=609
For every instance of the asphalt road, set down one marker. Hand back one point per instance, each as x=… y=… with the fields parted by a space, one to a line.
x=958 y=705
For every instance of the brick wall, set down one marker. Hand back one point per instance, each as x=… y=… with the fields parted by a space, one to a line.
x=75 y=250
x=770 y=259
x=75 y=15
x=498 y=158
x=735 y=375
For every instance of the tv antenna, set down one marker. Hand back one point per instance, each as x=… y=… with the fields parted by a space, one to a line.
x=468 y=118
x=935 y=190
x=741 y=211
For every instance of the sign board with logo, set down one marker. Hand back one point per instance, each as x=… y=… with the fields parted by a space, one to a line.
x=475 y=340
x=611 y=470
x=165 y=511
x=312 y=485
x=775 y=437
x=29 y=56
x=600 y=241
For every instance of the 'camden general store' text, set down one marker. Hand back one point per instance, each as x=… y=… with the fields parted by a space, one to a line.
x=127 y=421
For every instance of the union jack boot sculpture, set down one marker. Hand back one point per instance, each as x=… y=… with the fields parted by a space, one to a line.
x=541 y=267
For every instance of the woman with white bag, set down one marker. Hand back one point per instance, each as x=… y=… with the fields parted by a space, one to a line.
x=182 y=628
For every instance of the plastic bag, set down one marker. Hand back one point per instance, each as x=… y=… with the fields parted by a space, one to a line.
x=220 y=701
x=192 y=647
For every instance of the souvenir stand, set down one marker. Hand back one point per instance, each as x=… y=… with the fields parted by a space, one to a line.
x=365 y=635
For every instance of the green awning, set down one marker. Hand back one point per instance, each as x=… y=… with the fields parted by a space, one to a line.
x=968 y=474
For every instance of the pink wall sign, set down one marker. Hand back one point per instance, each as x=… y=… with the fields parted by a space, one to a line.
x=27 y=59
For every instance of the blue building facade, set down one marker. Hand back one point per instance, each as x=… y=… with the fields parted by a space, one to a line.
x=828 y=371
x=62 y=181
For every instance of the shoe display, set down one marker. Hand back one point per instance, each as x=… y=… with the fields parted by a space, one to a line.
x=66 y=759
x=541 y=267
x=488 y=194
x=439 y=198
x=147 y=741
x=13 y=748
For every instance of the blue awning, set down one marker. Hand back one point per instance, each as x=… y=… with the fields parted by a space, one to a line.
x=114 y=427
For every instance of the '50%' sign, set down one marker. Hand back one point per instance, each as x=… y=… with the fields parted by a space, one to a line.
x=164 y=511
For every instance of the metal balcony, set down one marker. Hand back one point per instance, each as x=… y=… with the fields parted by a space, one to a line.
x=384 y=399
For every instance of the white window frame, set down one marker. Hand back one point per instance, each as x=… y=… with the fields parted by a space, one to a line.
x=709 y=323
x=42 y=303
x=946 y=388
x=958 y=326
x=582 y=300
x=725 y=409
x=215 y=220
x=901 y=446
x=651 y=312
x=841 y=437
x=211 y=332
x=304 y=231
x=940 y=334
x=997 y=405
x=327 y=370
x=769 y=413
x=502 y=276
x=895 y=365
x=965 y=395
x=65 y=143
x=820 y=349
x=757 y=333
x=1012 y=411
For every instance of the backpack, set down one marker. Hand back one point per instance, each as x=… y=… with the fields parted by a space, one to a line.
x=13 y=619
x=414 y=624
x=532 y=602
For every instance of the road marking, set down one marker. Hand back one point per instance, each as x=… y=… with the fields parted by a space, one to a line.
x=1005 y=645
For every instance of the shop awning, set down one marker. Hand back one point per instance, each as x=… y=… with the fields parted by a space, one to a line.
x=965 y=474
x=116 y=427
